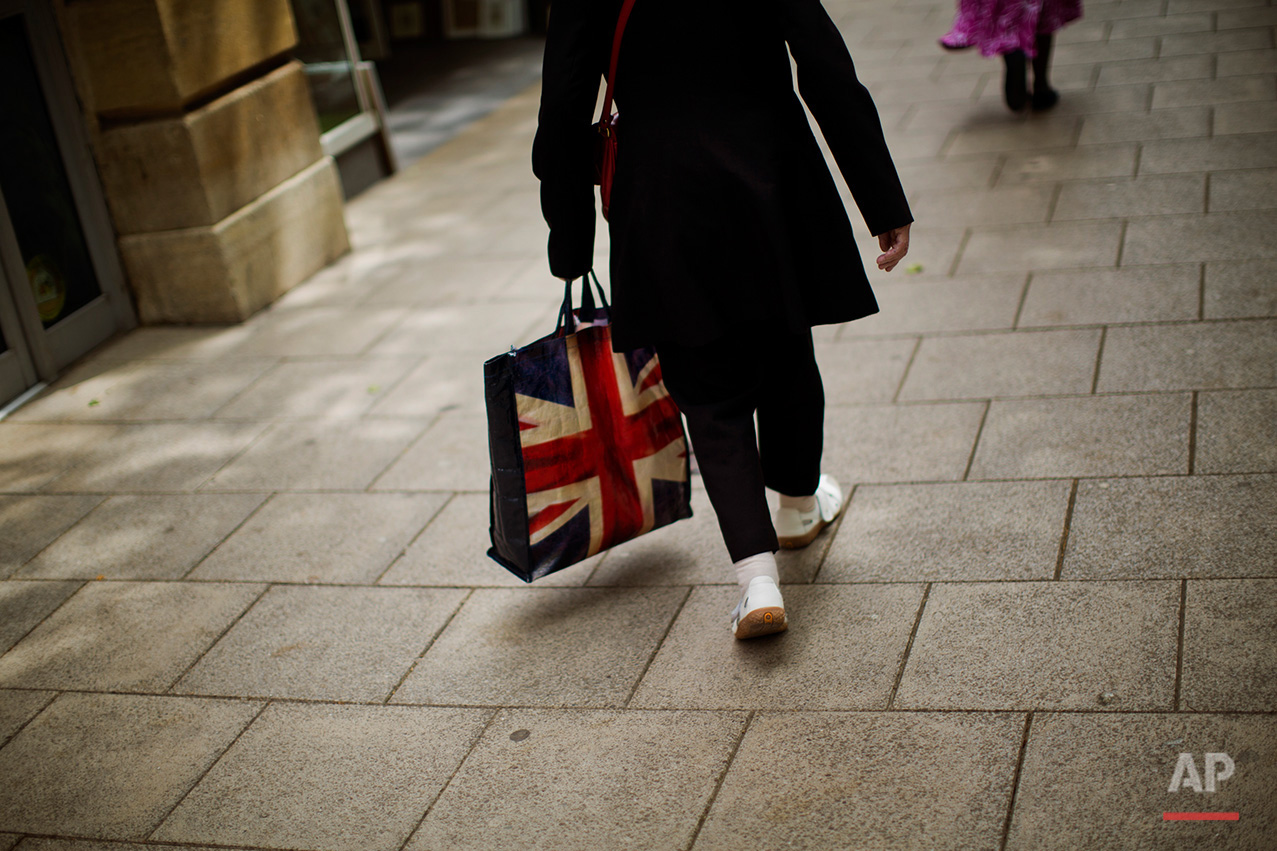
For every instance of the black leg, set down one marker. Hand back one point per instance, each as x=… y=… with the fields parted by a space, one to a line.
x=1015 y=86
x=1044 y=97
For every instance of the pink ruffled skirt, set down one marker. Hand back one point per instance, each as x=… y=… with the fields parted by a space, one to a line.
x=1003 y=26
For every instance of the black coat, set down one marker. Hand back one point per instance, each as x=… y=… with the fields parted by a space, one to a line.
x=723 y=210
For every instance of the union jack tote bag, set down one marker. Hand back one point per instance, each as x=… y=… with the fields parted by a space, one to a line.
x=587 y=448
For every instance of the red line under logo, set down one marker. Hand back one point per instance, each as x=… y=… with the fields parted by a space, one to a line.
x=1200 y=816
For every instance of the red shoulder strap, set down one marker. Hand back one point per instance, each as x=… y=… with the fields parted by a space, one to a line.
x=616 y=51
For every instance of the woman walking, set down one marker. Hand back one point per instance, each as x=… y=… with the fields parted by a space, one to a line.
x=729 y=239
x=1019 y=31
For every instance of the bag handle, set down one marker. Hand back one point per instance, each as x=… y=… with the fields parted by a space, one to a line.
x=567 y=319
x=611 y=68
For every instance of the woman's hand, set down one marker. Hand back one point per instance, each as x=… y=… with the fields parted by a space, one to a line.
x=896 y=245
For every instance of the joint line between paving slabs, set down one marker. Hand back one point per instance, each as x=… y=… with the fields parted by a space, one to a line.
x=1121 y=237
x=151 y=833
x=219 y=637
x=1201 y=293
x=1024 y=295
x=37 y=714
x=23 y=637
x=404 y=551
x=913 y=355
x=957 y=257
x=270 y=497
x=1192 y=432
x=1179 y=644
x=429 y=644
x=657 y=649
x=913 y=633
x=453 y=776
x=1015 y=781
x=722 y=778
x=1068 y=524
x=1099 y=357
x=975 y=444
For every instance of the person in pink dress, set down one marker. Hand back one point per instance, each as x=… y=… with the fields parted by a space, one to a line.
x=1019 y=31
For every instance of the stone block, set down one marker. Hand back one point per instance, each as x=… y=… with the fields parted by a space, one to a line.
x=984 y=366
x=199 y=168
x=144 y=537
x=347 y=538
x=629 y=779
x=17 y=708
x=1260 y=88
x=1246 y=62
x=34 y=455
x=316 y=332
x=1111 y=296
x=140 y=57
x=1053 y=246
x=318 y=455
x=1194 y=22
x=125 y=636
x=945 y=533
x=486 y=330
x=1155 y=71
x=1100 y=781
x=324 y=643
x=335 y=388
x=924 y=306
x=1143 y=127
x=156 y=457
x=1080 y=646
x=1011 y=134
x=1255 y=38
x=1245 y=150
x=1201 y=355
x=1237 y=432
x=452 y=551
x=1084 y=436
x=1230 y=646
x=1240 y=289
x=1089 y=163
x=1214 y=236
x=900 y=443
x=23 y=605
x=112 y=766
x=843 y=650
x=1145 y=196
x=29 y=524
x=1252 y=189
x=452 y=455
x=343 y=778
x=227 y=271
x=984 y=206
x=1246 y=118
x=858 y=371
x=544 y=647
x=442 y=382
x=834 y=781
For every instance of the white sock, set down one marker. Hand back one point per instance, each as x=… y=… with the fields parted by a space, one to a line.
x=802 y=503
x=760 y=564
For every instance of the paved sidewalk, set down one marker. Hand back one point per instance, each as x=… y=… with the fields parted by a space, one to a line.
x=245 y=602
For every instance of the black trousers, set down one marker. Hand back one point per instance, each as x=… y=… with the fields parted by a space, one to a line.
x=719 y=388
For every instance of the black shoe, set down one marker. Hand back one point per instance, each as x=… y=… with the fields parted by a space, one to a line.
x=1015 y=87
x=1044 y=98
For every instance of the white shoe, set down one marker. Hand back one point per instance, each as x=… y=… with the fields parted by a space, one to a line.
x=796 y=528
x=761 y=611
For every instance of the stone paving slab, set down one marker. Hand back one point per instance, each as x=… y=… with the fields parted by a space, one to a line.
x=324 y=643
x=550 y=647
x=1202 y=355
x=1143 y=196
x=863 y=371
x=1237 y=432
x=971 y=531
x=1054 y=246
x=1237 y=290
x=341 y=538
x=23 y=605
x=1092 y=162
x=1061 y=646
x=1185 y=123
x=1230 y=646
x=452 y=551
x=17 y=707
x=155 y=457
x=317 y=331
x=628 y=779
x=32 y=455
x=1252 y=189
x=1193 y=527
x=112 y=766
x=1102 y=296
x=125 y=636
x=318 y=455
x=1084 y=436
x=834 y=781
x=30 y=523
x=984 y=366
x=842 y=651
x=446 y=457
x=440 y=383
x=1100 y=782
x=900 y=443
x=342 y=778
x=143 y=537
x=921 y=306
x=319 y=389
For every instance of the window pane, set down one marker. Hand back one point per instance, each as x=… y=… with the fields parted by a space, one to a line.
x=35 y=186
x=329 y=68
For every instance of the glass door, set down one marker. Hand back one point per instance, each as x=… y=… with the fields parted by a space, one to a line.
x=62 y=292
